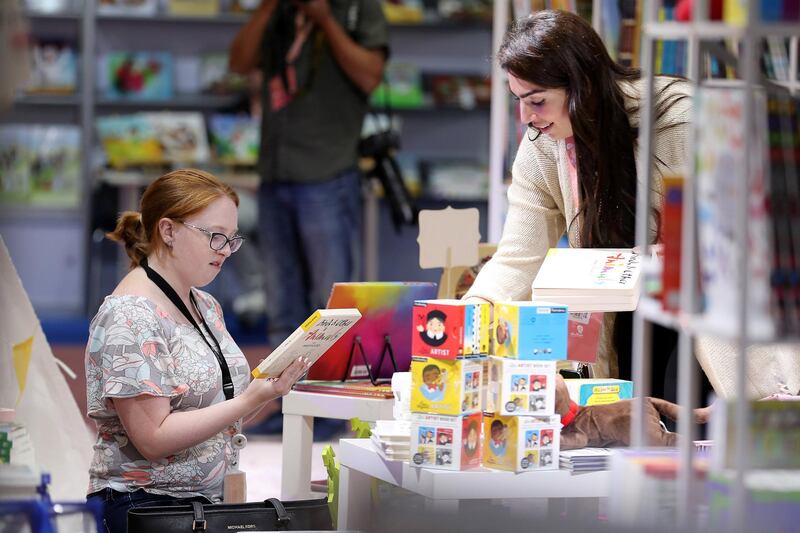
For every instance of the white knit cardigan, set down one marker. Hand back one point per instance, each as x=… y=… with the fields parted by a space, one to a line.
x=540 y=207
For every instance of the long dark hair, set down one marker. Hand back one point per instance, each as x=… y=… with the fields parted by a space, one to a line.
x=558 y=49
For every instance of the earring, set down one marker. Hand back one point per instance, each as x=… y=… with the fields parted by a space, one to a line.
x=169 y=244
x=538 y=133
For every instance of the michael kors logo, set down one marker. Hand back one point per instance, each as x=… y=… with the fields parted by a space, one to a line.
x=242 y=526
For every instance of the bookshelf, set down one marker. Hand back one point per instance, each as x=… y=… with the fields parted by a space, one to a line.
x=455 y=46
x=690 y=322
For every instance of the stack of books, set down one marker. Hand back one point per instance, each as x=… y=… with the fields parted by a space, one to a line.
x=584 y=459
x=590 y=279
x=392 y=439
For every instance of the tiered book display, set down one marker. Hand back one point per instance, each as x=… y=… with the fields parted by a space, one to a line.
x=734 y=252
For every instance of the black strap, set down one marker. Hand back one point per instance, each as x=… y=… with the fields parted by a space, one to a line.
x=283 y=517
x=198 y=517
x=166 y=288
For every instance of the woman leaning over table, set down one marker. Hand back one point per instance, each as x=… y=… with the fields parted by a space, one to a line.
x=575 y=169
x=166 y=383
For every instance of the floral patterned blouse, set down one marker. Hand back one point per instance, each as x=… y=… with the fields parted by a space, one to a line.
x=136 y=348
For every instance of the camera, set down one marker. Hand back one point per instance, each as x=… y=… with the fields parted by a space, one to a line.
x=380 y=147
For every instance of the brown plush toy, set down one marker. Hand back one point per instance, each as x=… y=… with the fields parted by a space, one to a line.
x=608 y=425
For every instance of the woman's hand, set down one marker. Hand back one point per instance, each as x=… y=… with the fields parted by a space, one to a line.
x=262 y=390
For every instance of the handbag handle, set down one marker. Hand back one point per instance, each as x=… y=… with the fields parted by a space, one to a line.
x=280 y=510
x=198 y=518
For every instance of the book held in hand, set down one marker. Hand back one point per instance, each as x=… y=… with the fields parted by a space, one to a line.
x=590 y=279
x=311 y=340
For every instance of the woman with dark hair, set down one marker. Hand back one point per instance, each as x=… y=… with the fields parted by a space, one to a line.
x=575 y=169
x=166 y=383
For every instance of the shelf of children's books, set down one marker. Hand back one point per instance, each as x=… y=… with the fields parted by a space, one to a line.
x=652 y=310
x=194 y=101
x=164 y=18
x=47 y=100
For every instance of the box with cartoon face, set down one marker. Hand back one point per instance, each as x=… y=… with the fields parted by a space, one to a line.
x=446 y=442
x=521 y=443
x=530 y=330
x=520 y=387
x=446 y=386
x=447 y=329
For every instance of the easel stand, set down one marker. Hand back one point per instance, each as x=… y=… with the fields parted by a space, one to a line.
x=373 y=374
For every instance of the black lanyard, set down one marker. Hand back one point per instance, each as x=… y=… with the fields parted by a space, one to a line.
x=166 y=288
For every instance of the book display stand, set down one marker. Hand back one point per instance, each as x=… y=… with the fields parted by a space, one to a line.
x=372 y=372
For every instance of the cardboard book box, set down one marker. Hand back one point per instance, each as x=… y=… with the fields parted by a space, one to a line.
x=521 y=387
x=446 y=442
x=446 y=386
x=530 y=330
x=521 y=443
x=447 y=329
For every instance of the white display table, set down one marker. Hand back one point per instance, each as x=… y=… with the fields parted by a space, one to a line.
x=299 y=410
x=360 y=462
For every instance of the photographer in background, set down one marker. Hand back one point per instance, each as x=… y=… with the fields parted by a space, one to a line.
x=320 y=60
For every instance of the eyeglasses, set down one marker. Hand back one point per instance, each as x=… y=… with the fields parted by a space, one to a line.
x=217 y=241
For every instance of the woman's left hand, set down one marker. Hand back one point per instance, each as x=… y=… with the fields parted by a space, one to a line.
x=263 y=390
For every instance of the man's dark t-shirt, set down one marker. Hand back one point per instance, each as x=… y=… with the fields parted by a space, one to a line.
x=315 y=136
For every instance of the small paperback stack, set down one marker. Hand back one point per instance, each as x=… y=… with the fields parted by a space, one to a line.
x=590 y=279
x=585 y=459
x=392 y=439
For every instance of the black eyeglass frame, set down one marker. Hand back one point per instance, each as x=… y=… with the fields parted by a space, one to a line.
x=235 y=242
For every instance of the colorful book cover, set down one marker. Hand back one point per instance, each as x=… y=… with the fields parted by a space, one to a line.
x=193 y=8
x=137 y=76
x=215 y=78
x=599 y=391
x=127 y=7
x=386 y=311
x=401 y=88
x=182 y=136
x=53 y=68
x=721 y=141
x=521 y=443
x=311 y=340
x=521 y=387
x=530 y=330
x=446 y=442
x=583 y=336
x=447 y=329
x=446 y=386
x=236 y=138
x=40 y=165
x=734 y=12
x=129 y=140
x=671 y=224
x=587 y=271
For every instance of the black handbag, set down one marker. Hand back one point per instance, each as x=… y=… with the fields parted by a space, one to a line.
x=269 y=515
